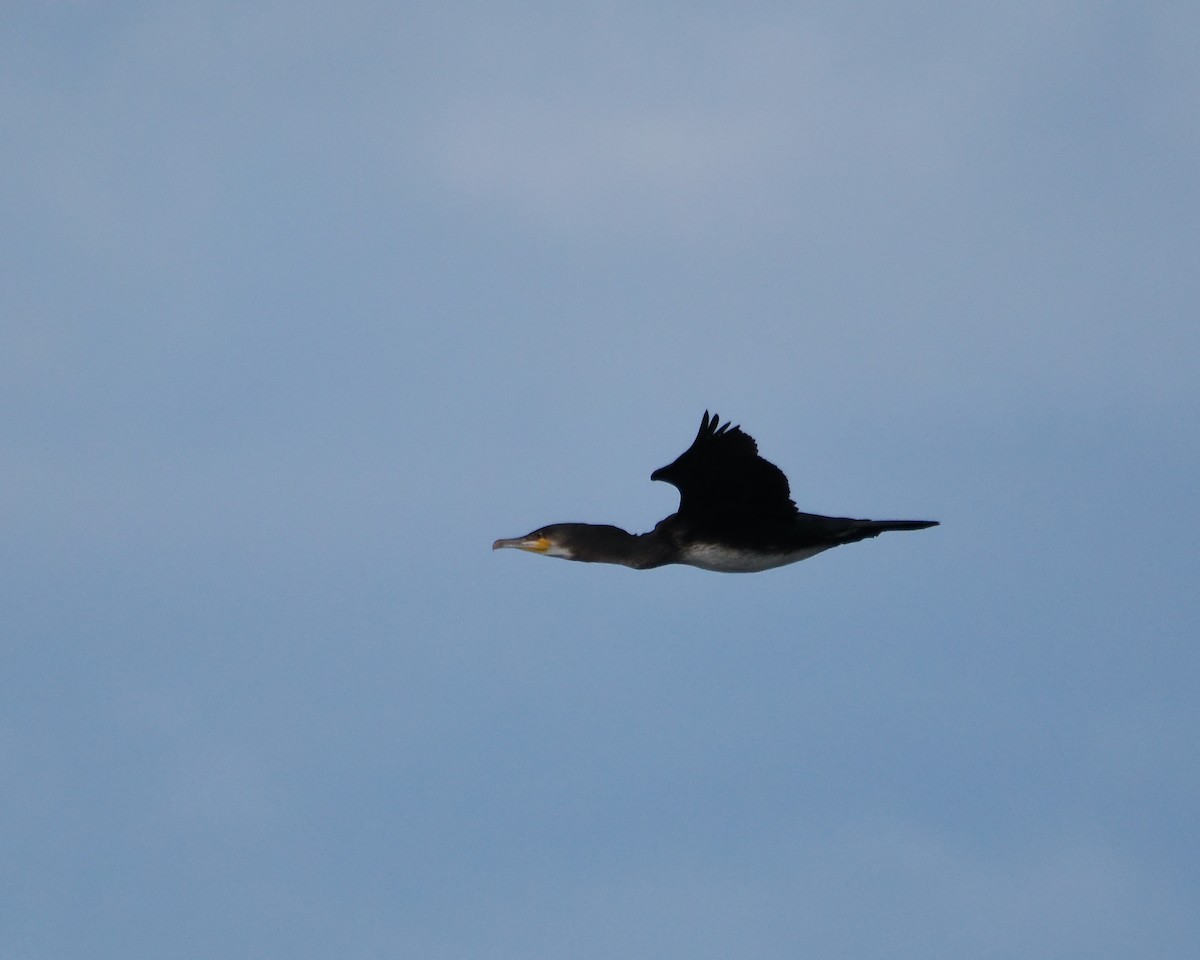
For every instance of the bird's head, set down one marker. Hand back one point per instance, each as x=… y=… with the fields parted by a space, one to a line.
x=551 y=541
x=589 y=542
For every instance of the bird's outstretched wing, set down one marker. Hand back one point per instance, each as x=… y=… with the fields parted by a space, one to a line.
x=722 y=479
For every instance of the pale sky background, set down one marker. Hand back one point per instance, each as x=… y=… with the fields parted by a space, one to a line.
x=303 y=304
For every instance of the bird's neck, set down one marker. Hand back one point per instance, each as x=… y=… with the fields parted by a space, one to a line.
x=602 y=543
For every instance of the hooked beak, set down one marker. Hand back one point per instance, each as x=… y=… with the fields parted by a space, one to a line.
x=531 y=543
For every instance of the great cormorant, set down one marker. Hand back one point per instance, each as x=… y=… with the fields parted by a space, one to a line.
x=735 y=515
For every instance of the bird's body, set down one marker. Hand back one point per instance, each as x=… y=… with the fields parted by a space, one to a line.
x=735 y=516
x=724 y=558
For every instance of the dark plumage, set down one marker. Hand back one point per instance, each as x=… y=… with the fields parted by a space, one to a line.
x=735 y=515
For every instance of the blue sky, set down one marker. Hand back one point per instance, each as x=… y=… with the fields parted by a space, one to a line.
x=304 y=304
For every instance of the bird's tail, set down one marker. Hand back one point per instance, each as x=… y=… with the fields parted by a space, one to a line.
x=882 y=526
x=863 y=529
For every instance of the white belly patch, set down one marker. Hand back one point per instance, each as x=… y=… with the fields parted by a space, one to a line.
x=723 y=559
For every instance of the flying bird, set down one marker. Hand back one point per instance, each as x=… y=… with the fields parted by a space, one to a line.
x=735 y=515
